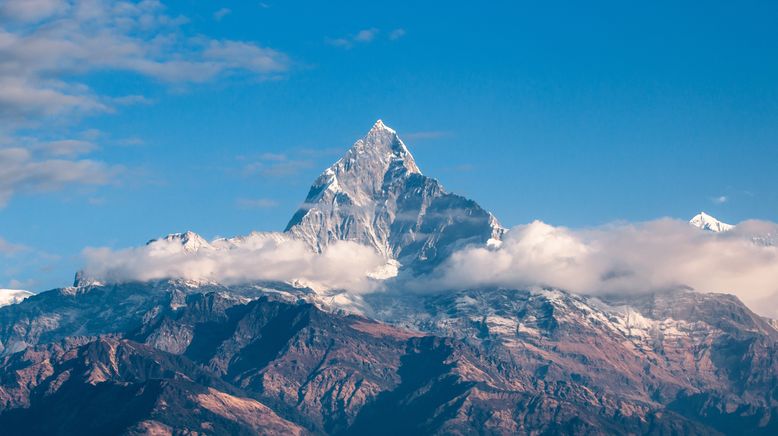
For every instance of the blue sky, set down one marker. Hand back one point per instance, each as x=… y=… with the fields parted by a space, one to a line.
x=120 y=122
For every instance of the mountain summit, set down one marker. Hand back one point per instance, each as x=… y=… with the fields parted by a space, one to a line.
x=707 y=222
x=377 y=196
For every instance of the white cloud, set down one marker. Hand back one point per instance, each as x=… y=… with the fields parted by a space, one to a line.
x=624 y=258
x=720 y=199
x=49 y=47
x=23 y=99
x=31 y=10
x=24 y=171
x=46 y=45
x=616 y=259
x=262 y=257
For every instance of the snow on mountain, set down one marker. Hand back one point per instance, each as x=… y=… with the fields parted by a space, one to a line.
x=188 y=242
x=377 y=196
x=706 y=222
x=13 y=296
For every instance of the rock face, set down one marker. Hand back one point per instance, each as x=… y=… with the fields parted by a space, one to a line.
x=114 y=386
x=377 y=196
x=499 y=361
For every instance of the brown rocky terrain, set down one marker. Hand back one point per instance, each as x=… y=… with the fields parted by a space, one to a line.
x=498 y=362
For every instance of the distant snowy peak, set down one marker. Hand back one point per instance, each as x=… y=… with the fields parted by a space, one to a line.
x=376 y=195
x=706 y=222
x=13 y=296
x=190 y=242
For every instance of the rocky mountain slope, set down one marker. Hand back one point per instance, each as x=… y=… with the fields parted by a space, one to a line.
x=504 y=360
x=501 y=362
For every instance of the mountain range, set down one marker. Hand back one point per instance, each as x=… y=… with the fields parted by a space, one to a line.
x=178 y=356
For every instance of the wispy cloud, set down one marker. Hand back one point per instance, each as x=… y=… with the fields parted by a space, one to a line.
x=720 y=199
x=364 y=36
x=221 y=13
x=428 y=134
x=256 y=203
x=276 y=165
x=8 y=248
x=22 y=170
x=48 y=49
x=396 y=34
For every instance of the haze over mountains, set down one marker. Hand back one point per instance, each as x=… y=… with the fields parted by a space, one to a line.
x=387 y=296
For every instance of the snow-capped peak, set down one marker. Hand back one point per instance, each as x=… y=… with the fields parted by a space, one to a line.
x=379 y=125
x=190 y=241
x=380 y=146
x=706 y=222
x=377 y=196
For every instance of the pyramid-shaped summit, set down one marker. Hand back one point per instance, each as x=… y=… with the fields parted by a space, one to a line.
x=377 y=196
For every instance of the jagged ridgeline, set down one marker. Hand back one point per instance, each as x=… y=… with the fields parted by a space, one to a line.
x=204 y=357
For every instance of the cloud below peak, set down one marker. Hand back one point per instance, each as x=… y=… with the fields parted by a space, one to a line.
x=256 y=257
x=624 y=259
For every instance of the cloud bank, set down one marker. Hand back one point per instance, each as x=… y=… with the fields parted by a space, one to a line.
x=624 y=259
x=258 y=257
x=617 y=259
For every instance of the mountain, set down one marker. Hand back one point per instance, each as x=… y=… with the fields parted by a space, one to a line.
x=12 y=296
x=494 y=361
x=176 y=356
x=706 y=222
x=377 y=196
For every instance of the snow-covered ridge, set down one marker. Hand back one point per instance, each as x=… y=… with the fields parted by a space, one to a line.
x=13 y=296
x=706 y=222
